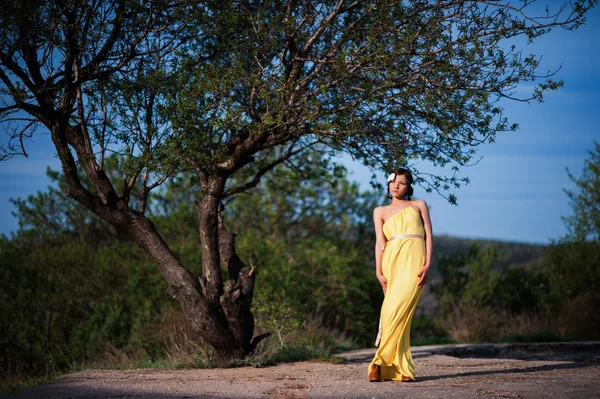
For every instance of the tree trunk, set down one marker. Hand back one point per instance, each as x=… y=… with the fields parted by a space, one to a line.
x=218 y=247
x=204 y=316
x=236 y=303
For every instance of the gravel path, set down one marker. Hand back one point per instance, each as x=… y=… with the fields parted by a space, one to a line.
x=559 y=370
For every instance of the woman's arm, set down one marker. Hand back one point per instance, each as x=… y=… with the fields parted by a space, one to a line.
x=380 y=243
x=422 y=205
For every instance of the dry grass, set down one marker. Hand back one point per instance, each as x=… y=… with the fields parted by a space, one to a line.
x=525 y=324
x=473 y=324
x=579 y=318
x=182 y=350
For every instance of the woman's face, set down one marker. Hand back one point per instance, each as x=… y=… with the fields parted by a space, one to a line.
x=399 y=187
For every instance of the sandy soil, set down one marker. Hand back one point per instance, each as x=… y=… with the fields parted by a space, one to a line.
x=564 y=370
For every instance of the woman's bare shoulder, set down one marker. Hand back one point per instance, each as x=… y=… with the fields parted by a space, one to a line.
x=379 y=210
x=421 y=204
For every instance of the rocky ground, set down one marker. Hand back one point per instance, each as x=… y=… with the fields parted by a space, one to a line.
x=558 y=370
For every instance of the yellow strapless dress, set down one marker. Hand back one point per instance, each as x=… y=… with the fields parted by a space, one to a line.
x=402 y=259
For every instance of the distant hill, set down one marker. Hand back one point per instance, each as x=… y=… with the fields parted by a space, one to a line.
x=511 y=253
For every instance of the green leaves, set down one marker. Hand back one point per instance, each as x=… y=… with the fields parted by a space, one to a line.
x=210 y=87
x=584 y=224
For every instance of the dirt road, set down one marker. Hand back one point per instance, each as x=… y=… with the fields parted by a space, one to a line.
x=565 y=370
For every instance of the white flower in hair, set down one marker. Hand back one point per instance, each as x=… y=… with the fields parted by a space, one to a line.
x=391 y=177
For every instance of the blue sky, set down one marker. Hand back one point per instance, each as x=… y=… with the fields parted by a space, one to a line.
x=516 y=191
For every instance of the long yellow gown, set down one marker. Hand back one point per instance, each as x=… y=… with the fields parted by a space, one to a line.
x=402 y=260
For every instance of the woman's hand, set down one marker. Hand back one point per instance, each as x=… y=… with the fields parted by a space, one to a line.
x=423 y=276
x=383 y=282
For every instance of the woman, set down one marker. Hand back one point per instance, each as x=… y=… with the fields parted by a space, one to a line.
x=402 y=259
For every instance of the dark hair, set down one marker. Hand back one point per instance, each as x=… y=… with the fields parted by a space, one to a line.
x=409 y=178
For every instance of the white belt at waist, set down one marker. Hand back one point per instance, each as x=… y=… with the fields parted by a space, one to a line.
x=406 y=236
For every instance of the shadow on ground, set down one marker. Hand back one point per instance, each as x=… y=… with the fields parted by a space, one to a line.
x=588 y=352
x=512 y=371
x=580 y=352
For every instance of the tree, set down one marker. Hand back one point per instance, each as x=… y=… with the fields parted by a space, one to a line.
x=229 y=90
x=571 y=266
x=467 y=279
x=584 y=224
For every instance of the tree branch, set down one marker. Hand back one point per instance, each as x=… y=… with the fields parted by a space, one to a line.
x=266 y=168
